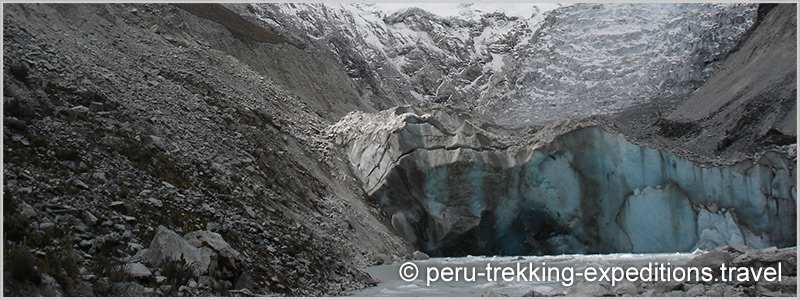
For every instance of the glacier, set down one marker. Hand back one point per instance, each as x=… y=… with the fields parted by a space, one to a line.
x=520 y=64
x=452 y=185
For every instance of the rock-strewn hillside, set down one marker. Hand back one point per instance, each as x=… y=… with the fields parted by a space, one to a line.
x=125 y=125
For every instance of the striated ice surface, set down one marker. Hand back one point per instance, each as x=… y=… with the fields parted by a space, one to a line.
x=598 y=58
x=454 y=188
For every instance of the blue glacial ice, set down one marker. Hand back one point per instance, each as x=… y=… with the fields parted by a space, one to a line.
x=452 y=188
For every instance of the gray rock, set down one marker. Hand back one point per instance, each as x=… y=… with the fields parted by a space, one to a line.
x=715 y=290
x=119 y=206
x=215 y=241
x=419 y=255
x=96 y=106
x=27 y=211
x=542 y=291
x=626 y=288
x=81 y=227
x=784 y=285
x=674 y=294
x=46 y=226
x=493 y=294
x=696 y=291
x=82 y=288
x=245 y=281
x=79 y=110
x=154 y=142
x=207 y=282
x=155 y=202
x=128 y=289
x=78 y=183
x=589 y=289
x=50 y=287
x=165 y=289
x=89 y=218
x=101 y=176
x=169 y=246
x=137 y=270
x=712 y=207
x=86 y=244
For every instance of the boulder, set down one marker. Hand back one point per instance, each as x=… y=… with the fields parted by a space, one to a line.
x=27 y=211
x=419 y=255
x=169 y=246
x=137 y=270
x=214 y=241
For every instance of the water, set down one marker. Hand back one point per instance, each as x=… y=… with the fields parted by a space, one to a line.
x=391 y=285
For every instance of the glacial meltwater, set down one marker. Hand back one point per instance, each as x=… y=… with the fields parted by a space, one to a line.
x=391 y=284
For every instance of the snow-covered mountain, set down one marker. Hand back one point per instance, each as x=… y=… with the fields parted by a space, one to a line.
x=520 y=64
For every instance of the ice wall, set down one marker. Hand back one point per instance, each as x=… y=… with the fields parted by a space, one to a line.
x=453 y=188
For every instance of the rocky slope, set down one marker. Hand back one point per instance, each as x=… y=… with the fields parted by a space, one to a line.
x=124 y=123
x=746 y=106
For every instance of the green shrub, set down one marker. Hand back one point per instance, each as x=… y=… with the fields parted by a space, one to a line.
x=105 y=265
x=20 y=72
x=21 y=264
x=38 y=239
x=68 y=154
x=38 y=141
x=15 y=227
x=68 y=189
x=53 y=264
x=9 y=204
x=123 y=192
x=15 y=125
x=177 y=272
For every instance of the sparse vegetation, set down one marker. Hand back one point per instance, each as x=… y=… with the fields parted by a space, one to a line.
x=20 y=72
x=177 y=272
x=21 y=264
x=123 y=192
x=15 y=125
x=63 y=269
x=68 y=154
x=151 y=161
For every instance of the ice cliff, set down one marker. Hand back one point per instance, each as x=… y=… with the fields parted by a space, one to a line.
x=453 y=185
